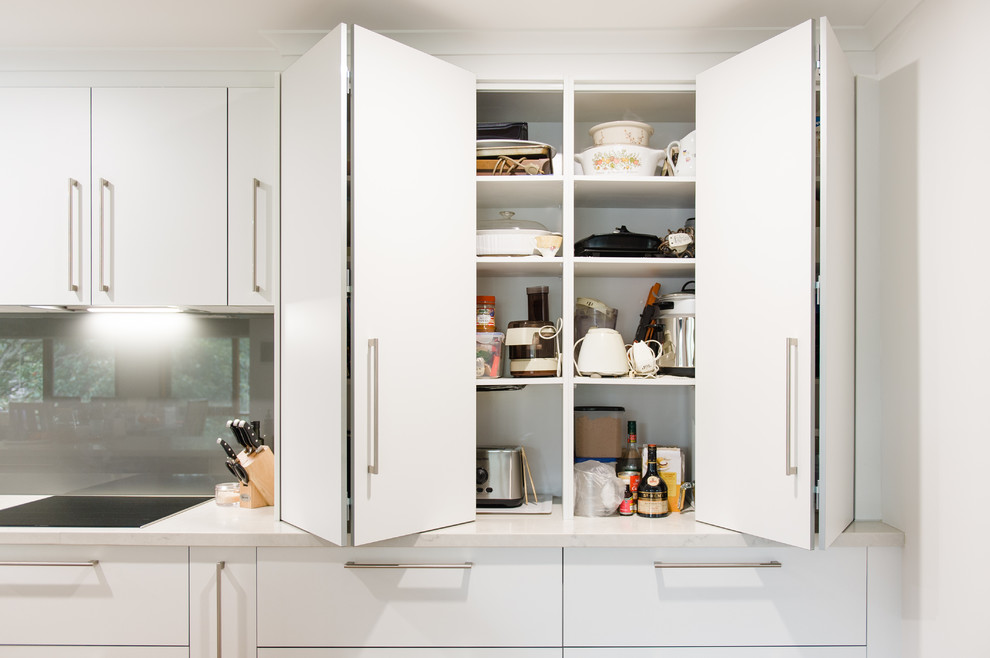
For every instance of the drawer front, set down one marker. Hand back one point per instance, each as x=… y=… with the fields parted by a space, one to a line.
x=813 y=598
x=419 y=652
x=131 y=596
x=310 y=597
x=721 y=652
x=94 y=652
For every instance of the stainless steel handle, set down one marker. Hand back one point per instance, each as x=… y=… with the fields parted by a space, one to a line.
x=104 y=184
x=790 y=469
x=256 y=184
x=87 y=563
x=773 y=564
x=373 y=385
x=220 y=566
x=73 y=183
x=374 y=565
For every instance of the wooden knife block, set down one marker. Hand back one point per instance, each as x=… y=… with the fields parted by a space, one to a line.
x=260 y=467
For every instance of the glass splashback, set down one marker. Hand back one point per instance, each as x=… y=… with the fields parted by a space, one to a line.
x=128 y=404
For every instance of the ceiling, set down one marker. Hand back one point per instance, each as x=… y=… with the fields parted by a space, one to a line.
x=242 y=24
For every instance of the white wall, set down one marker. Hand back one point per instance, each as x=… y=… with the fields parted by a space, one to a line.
x=933 y=312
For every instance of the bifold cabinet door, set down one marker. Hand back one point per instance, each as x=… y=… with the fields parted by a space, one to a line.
x=722 y=652
x=756 y=331
x=412 y=282
x=411 y=652
x=160 y=196
x=44 y=184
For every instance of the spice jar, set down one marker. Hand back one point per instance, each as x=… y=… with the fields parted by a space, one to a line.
x=486 y=314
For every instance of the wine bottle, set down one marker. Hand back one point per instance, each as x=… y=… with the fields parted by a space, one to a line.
x=651 y=499
x=629 y=466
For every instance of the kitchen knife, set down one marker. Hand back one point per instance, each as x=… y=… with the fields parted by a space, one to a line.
x=249 y=434
x=238 y=435
x=227 y=449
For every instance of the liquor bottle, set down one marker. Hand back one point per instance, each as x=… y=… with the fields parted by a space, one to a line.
x=625 y=507
x=651 y=499
x=629 y=466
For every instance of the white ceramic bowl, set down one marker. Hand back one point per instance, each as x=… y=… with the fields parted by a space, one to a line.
x=620 y=159
x=622 y=132
x=507 y=242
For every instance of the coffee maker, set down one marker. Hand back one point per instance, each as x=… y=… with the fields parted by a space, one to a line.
x=532 y=343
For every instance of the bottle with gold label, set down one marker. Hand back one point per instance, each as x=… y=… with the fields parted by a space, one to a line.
x=651 y=499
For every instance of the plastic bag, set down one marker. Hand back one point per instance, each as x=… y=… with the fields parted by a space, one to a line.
x=597 y=489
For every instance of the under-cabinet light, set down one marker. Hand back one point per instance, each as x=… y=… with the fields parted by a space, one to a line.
x=134 y=309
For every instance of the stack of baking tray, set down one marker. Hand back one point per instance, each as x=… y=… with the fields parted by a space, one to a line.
x=511 y=157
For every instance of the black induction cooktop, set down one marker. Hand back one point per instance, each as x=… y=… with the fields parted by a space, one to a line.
x=96 y=511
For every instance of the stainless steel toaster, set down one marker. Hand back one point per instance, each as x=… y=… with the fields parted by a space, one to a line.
x=500 y=476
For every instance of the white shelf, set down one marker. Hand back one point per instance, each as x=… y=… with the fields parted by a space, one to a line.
x=633 y=192
x=519 y=266
x=662 y=380
x=500 y=192
x=633 y=267
x=506 y=382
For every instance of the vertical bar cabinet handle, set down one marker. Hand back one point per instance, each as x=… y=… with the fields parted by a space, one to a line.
x=789 y=468
x=73 y=183
x=220 y=566
x=255 y=185
x=104 y=185
x=373 y=346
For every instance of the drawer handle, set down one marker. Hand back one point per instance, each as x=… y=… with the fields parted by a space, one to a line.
x=255 y=186
x=89 y=563
x=372 y=565
x=773 y=564
x=73 y=186
x=220 y=566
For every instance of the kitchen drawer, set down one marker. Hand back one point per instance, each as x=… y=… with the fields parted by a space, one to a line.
x=720 y=652
x=131 y=596
x=507 y=597
x=418 y=652
x=93 y=652
x=617 y=597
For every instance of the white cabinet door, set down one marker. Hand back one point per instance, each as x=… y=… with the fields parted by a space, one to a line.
x=837 y=326
x=410 y=652
x=421 y=597
x=159 y=196
x=756 y=305
x=311 y=310
x=44 y=184
x=724 y=652
x=94 y=652
x=414 y=283
x=413 y=398
x=715 y=597
x=233 y=570
x=251 y=125
x=94 y=595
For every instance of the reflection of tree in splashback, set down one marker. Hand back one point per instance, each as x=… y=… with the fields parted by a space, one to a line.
x=20 y=371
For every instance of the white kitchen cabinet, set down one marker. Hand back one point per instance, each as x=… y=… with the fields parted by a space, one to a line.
x=715 y=652
x=251 y=186
x=44 y=182
x=409 y=652
x=159 y=166
x=756 y=394
x=222 y=622
x=715 y=597
x=94 y=595
x=378 y=597
x=94 y=652
x=410 y=275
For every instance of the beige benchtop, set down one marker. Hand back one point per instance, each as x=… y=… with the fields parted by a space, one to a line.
x=211 y=525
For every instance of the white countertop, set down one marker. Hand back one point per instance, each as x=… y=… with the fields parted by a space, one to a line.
x=211 y=525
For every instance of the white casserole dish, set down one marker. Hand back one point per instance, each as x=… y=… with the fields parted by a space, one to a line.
x=621 y=132
x=508 y=236
x=620 y=159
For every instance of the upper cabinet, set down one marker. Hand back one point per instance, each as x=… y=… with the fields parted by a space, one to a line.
x=44 y=183
x=763 y=448
x=363 y=211
x=159 y=194
x=251 y=186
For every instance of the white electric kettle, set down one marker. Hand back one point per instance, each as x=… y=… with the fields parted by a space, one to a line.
x=603 y=354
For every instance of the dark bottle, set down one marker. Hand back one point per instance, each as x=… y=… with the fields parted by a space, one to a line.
x=626 y=506
x=629 y=466
x=651 y=499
